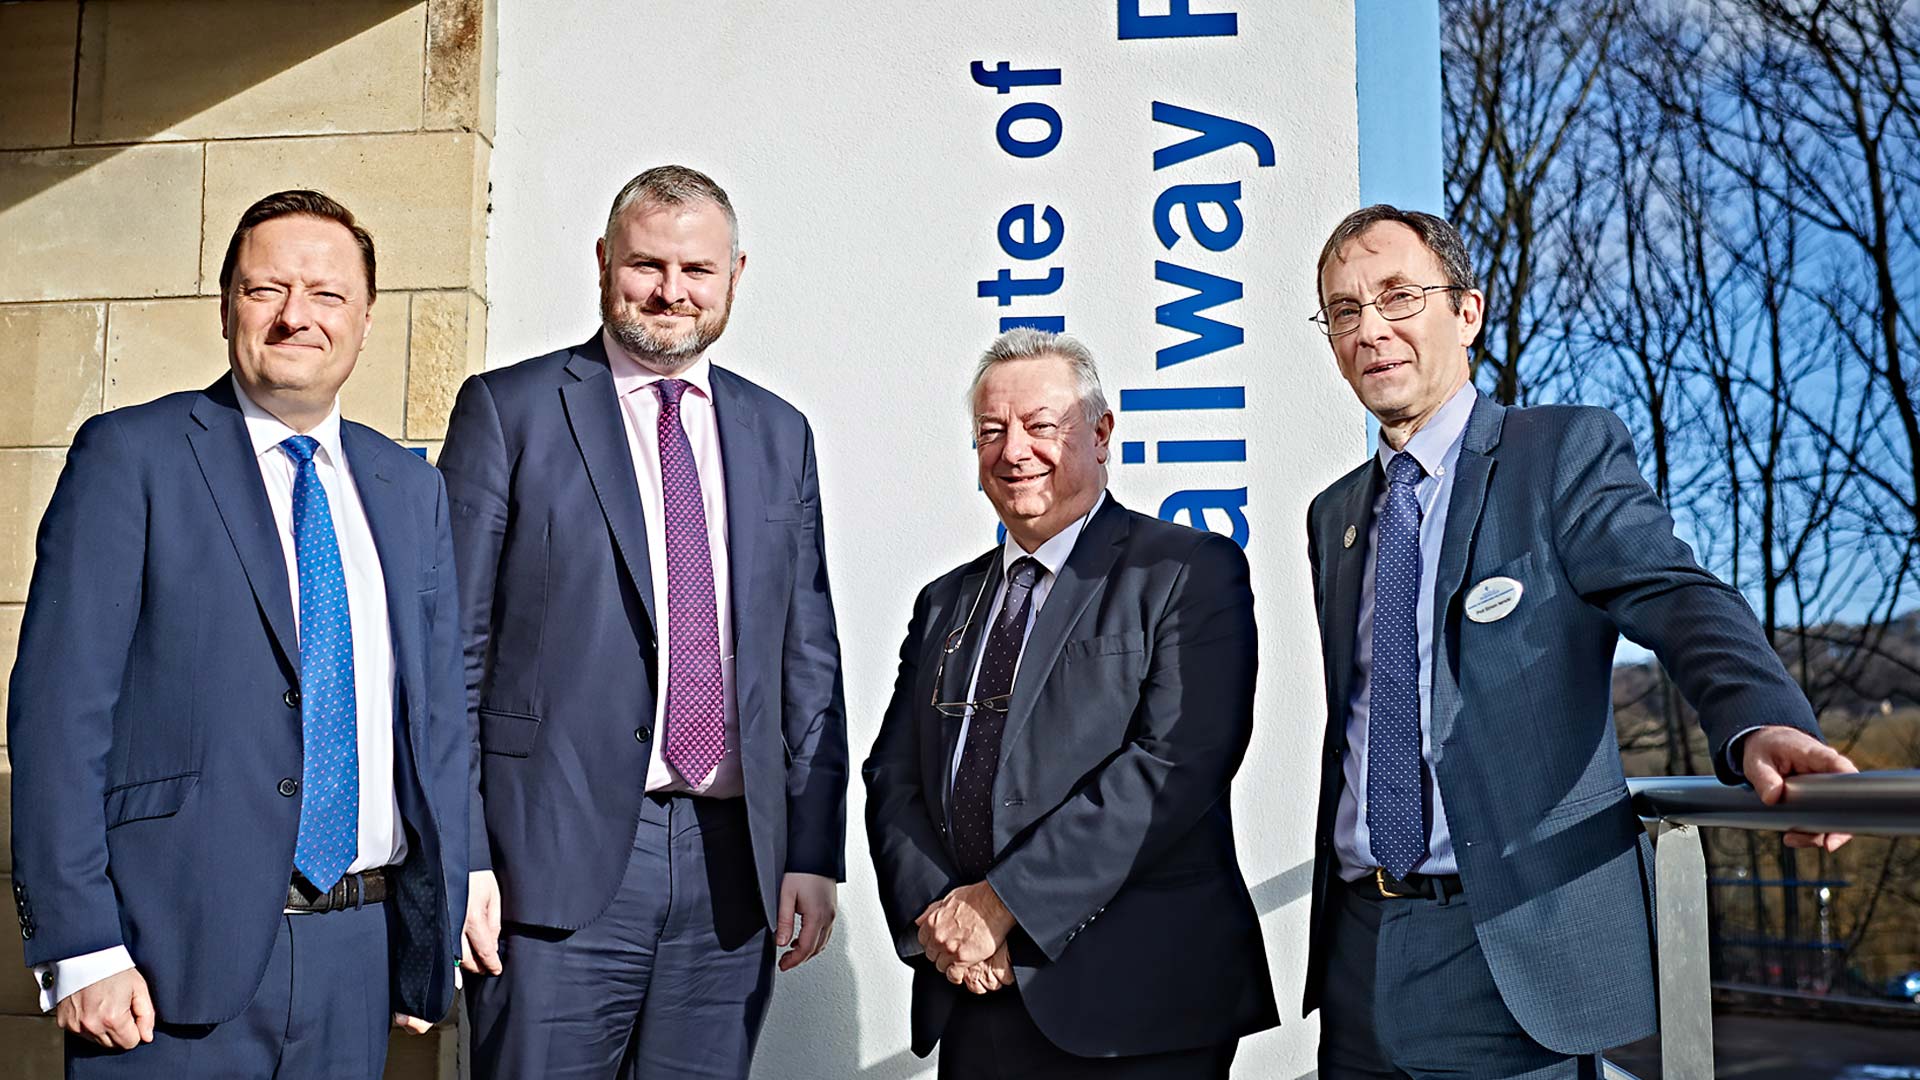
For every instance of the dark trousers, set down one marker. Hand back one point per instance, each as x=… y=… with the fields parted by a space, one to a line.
x=1408 y=994
x=670 y=983
x=991 y=1037
x=322 y=1012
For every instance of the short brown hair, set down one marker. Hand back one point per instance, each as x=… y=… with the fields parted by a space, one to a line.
x=1439 y=236
x=287 y=204
x=673 y=185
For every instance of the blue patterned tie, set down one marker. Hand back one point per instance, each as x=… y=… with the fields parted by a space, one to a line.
x=330 y=794
x=1396 y=821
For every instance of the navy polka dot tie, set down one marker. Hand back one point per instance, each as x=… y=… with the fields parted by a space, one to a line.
x=696 y=707
x=980 y=760
x=330 y=792
x=1396 y=818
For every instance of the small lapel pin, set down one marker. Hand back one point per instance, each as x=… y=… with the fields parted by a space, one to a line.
x=1353 y=534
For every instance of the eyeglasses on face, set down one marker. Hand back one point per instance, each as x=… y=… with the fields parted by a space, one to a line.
x=1399 y=302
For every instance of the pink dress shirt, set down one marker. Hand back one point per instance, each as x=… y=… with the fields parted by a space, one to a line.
x=640 y=412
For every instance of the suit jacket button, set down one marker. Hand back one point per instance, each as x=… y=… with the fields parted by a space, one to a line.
x=288 y=785
x=26 y=931
x=291 y=697
x=641 y=735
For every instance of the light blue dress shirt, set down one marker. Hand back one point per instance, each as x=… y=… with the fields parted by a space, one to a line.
x=1436 y=447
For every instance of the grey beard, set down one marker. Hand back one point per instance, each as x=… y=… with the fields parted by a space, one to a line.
x=644 y=345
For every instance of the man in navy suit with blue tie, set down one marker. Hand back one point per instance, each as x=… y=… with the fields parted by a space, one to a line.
x=1482 y=889
x=237 y=726
x=653 y=670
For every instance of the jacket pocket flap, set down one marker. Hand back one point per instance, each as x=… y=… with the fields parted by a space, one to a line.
x=149 y=798
x=507 y=733
x=1105 y=644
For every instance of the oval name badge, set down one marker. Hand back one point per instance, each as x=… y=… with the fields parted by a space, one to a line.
x=1494 y=599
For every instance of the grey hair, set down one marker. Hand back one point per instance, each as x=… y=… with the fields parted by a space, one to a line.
x=673 y=185
x=1026 y=343
x=1439 y=236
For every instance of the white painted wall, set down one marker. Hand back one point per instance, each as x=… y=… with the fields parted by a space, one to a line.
x=862 y=159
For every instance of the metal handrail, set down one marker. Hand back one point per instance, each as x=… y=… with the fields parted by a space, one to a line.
x=1872 y=803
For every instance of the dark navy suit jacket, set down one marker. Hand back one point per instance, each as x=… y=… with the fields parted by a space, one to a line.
x=1113 y=831
x=558 y=614
x=152 y=716
x=1556 y=867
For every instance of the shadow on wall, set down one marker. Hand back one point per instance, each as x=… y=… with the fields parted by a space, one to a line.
x=1283 y=888
x=197 y=54
x=815 y=1029
x=815 y=1032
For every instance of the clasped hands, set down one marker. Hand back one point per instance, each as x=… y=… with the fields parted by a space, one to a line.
x=965 y=933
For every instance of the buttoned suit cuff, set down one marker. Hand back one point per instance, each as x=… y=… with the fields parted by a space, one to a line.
x=63 y=978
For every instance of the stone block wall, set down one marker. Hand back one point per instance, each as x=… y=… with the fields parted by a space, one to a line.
x=132 y=134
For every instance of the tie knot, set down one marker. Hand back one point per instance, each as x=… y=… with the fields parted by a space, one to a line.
x=1024 y=572
x=1404 y=469
x=670 y=391
x=300 y=448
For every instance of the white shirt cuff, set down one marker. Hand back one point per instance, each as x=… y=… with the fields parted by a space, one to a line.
x=1733 y=747
x=64 y=977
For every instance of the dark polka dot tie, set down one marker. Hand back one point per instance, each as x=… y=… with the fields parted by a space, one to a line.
x=1396 y=817
x=696 y=709
x=972 y=806
x=329 y=836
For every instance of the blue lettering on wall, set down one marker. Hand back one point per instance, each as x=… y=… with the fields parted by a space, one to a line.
x=1165 y=398
x=1052 y=324
x=1033 y=246
x=1193 y=197
x=1022 y=233
x=1215 y=133
x=1178 y=22
x=1006 y=286
x=1196 y=503
x=1209 y=335
x=1003 y=77
x=1028 y=148
x=1206 y=336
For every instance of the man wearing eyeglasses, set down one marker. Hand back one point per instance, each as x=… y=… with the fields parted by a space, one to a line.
x=1482 y=888
x=1048 y=796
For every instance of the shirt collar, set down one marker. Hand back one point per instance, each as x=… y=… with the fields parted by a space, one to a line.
x=1430 y=444
x=1051 y=555
x=267 y=431
x=629 y=375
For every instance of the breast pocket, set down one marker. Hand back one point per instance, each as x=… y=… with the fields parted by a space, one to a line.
x=1105 y=645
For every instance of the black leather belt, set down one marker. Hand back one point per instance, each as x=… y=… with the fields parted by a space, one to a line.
x=1377 y=884
x=351 y=891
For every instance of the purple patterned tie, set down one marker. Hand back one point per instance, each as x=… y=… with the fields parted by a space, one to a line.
x=696 y=721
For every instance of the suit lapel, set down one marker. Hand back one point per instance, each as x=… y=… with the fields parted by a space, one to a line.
x=399 y=537
x=741 y=463
x=593 y=412
x=1344 y=566
x=1079 y=581
x=954 y=673
x=939 y=739
x=1471 y=475
x=225 y=454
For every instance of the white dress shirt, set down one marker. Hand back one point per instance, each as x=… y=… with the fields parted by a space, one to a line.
x=1051 y=555
x=382 y=841
x=640 y=412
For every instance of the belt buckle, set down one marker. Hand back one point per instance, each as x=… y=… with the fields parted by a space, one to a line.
x=1380 y=882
